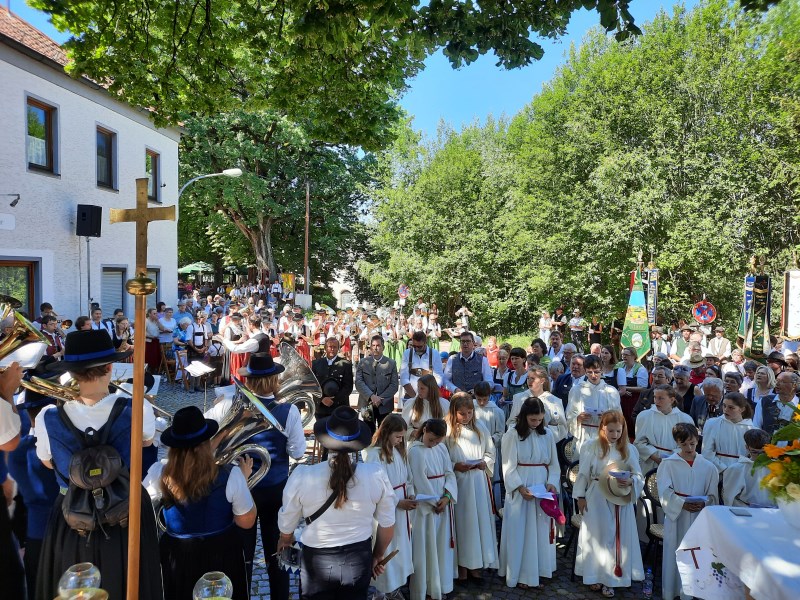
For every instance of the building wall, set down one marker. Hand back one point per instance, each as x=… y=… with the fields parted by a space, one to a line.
x=44 y=219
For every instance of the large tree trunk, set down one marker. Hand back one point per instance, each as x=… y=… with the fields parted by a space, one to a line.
x=262 y=246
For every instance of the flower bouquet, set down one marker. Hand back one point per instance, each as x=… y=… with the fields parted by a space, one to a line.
x=782 y=459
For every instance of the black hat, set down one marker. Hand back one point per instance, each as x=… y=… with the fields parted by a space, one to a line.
x=149 y=381
x=88 y=348
x=35 y=399
x=330 y=388
x=342 y=431
x=261 y=365
x=189 y=429
x=298 y=317
x=776 y=357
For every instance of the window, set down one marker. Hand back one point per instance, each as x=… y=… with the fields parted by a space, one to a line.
x=106 y=146
x=151 y=165
x=152 y=299
x=112 y=290
x=41 y=136
x=17 y=279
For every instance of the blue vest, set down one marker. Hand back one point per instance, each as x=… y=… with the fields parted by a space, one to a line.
x=466 y=374
x=208 y=516
x=36 y=483
x=63 y=443
x=275 y=443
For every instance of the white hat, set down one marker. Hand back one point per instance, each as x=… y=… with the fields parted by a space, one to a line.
x=610 y=487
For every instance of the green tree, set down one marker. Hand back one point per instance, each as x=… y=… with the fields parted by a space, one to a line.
x=262 y=213
x=684 y=140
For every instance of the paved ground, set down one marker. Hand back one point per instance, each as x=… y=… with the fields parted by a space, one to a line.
x=172 y=397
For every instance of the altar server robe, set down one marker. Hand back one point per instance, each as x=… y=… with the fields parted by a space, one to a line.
x=595 y=560
x=654 y=434
x=723 y=441
x=527 y=538
x=401 y=566
x=586 y=395
x=476 y=537
x=433 y=539
x=677 y=479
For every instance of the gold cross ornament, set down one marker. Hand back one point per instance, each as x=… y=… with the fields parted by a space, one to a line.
x=142 y=216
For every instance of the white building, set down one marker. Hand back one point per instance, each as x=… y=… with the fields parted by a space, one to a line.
x=67 y=142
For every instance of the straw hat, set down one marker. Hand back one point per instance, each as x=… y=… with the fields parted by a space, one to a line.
x=611 y=489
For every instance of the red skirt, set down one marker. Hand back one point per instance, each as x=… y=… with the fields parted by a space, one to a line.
x=347 y=346
x=152 y=355
x=238 y=360
x=304 y=350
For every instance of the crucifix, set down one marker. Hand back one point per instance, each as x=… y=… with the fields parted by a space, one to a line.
x=140 y=286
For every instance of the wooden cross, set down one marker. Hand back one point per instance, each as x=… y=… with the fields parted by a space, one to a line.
x=142 y=216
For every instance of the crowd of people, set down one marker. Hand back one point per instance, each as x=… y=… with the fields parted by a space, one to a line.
x=444 y=446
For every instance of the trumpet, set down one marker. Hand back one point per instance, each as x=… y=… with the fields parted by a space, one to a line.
x=66 y=324
x=24 y=343
x=45 y=387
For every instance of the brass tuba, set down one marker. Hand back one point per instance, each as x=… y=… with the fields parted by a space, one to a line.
x=24 y=344
x=246 y=417
x=297 y=384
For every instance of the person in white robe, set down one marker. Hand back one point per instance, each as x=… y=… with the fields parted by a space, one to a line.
x=418 y=409
x=492 y=417
x=391 y=436
x=432 y=526
x=654 y=439
x=527 y=538
x=723 y=437
x=682 y=475
x=539 y=387
x=472 y=453
x=608 y=526
x=742 y=485
x=587 y=401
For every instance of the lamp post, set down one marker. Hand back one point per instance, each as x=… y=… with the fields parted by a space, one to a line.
x=225 y=173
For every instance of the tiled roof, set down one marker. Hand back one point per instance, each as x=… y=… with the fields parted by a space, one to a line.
x=28 y=36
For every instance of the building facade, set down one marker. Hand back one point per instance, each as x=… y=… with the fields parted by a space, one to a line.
x=67 y=142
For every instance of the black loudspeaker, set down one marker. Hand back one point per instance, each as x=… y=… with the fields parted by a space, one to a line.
x=89 y=220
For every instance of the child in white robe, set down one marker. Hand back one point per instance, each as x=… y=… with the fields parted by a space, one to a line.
x=389 y=449
x=742 y=486
x=587 y=401
x=608 y=554
x=723 y=437
x=472 y=453
x=433 y=531
x=654 y=439
x=426 y=405
x=527 y=539
x=492 y=417
x=539 y=387
x=684 y=474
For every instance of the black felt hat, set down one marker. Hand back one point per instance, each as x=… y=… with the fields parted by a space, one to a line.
x=261 y=365
x=342 y=431
x=189 y=429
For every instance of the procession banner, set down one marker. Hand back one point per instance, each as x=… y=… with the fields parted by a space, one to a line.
x=636 y=330
x=756 y=342
x=652 y=295
x=287 y=281
x=747 y=306
x=790 y=312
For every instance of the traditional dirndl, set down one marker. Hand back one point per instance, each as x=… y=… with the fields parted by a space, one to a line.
x=64 y=547
x=185 y=560
x=455 y=345
x=392 y=350
x=238 y=360
x=304 y=350
x=433 y=342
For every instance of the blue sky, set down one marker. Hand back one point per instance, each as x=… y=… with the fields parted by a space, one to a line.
x=471 y=93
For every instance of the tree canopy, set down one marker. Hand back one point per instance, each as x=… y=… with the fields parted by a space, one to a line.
x=262 y=213
x=683 y=141
x=338 y=65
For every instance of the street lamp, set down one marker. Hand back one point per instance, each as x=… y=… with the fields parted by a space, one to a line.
x=225 y=173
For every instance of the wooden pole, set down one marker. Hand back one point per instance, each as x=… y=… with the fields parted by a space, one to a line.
x=306 y=283
x=135 y=503
x=139 y=287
